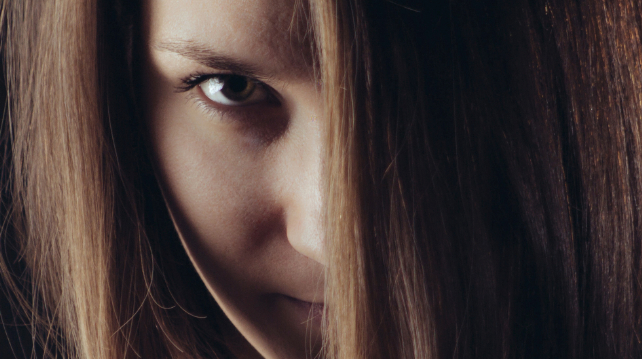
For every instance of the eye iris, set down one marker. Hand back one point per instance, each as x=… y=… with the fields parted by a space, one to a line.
x=238 y=88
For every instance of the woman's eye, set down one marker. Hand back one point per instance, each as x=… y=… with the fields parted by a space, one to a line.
x=233 y=90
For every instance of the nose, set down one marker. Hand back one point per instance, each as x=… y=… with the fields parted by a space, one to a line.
x=304 y=220
x=304 y=199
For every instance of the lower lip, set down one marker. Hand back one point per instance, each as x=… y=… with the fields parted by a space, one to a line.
x=312 y=311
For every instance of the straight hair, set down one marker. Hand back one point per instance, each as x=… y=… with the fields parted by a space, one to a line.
x=90 y=258
x=483 y=180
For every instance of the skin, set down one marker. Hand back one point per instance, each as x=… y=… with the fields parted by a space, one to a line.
x=242 y=181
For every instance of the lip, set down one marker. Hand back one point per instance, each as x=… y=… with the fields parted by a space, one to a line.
x=309 y=310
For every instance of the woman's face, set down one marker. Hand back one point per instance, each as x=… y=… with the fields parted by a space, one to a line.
x=234 y=119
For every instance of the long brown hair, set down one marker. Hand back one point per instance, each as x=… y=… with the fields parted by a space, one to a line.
x=489 y=158
x=90 y=259
x=483 y=183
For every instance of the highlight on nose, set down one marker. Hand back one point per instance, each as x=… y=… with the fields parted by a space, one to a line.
x=304 y=225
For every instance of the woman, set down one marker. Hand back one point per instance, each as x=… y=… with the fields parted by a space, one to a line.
x=351 y=179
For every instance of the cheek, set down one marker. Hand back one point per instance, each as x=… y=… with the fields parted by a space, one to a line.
x=208 y=183
x=218 y=193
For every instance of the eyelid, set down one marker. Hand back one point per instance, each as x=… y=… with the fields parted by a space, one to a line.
x=195 y=79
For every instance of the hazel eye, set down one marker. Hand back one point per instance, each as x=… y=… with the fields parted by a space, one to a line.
x=233 y=90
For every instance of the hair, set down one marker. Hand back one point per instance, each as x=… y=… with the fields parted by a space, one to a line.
x=483 y=183
x=98 y=266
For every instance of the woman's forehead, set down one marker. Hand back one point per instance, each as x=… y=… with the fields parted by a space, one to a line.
x=269 y=35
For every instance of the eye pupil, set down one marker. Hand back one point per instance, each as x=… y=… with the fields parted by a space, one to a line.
x=237 y=83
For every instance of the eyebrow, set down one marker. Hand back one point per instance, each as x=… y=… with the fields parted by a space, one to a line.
x=210 y=58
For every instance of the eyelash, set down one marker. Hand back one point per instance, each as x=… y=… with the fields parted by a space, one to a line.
x=195 y=79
